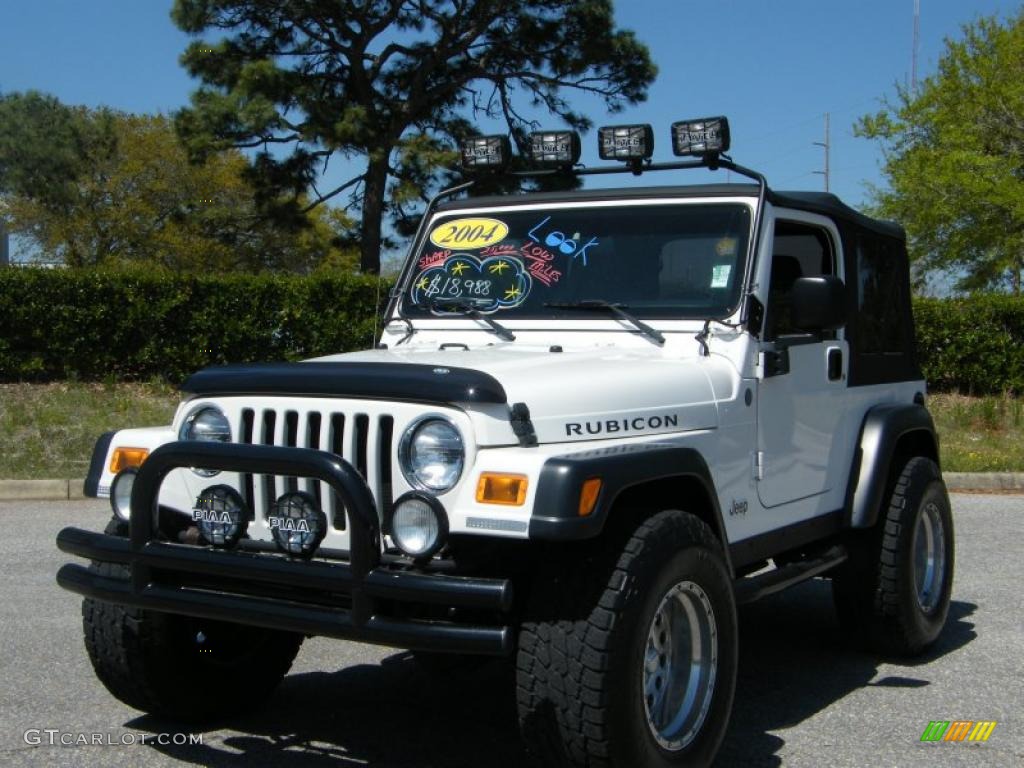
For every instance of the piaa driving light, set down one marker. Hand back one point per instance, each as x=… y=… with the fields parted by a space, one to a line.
x=431 y=454
x=297 y=524
x=220 y=515
x=625 y=142
x=486 y=153
x=705 y=136
x=121 y=492
x=419 y=525
x=555 y=149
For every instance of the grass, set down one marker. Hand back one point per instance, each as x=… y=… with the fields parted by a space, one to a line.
x=48 y=430
x=979 y=434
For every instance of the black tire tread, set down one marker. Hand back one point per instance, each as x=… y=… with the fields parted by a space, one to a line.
x=867 y=591
x=562 y=663
x=130 y=654
x=115 y=638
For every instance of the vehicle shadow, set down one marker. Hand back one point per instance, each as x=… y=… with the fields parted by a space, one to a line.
x=793 y=664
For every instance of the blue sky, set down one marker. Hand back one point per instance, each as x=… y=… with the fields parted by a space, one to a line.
x=773 y=67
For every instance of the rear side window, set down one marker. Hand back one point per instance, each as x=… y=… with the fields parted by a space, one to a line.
x=880 y=293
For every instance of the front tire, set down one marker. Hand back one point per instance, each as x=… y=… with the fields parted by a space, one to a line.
x=895 y=591
x=179 y=666
x=629 y=658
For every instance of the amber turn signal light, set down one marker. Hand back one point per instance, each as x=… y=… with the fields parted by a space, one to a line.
x=499 y=488
x=588 y=495
x=127 y=457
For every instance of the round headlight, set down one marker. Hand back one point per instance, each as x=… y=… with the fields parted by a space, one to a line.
x=206 y=423
x=297 y=524
x=419 y=525
x=209 y=424
x=121 y=492
x=431 y=455
x=221 y=515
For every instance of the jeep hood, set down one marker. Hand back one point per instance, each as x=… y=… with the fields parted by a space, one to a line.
x=572 y=395
x=587 y=394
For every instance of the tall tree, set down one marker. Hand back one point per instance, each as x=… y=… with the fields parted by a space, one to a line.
x=122 y=190
x=954 y=158
x=46 y=148
x=393 y=82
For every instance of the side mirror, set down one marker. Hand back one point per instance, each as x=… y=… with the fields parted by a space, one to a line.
x=819 y=303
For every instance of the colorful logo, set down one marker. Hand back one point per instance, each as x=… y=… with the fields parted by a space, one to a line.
x=958 y=730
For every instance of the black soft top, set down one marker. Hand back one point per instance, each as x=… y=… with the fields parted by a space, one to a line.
x=822 y=203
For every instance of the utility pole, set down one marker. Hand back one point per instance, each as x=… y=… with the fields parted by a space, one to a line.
x=913 y=53
x=827 y=145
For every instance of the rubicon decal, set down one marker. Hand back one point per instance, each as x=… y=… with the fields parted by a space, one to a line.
x=958 y=730
x=613 y=426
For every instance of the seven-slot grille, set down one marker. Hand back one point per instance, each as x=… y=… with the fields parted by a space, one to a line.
x=364 y=440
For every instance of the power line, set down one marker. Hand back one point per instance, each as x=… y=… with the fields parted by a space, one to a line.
x=826 y=145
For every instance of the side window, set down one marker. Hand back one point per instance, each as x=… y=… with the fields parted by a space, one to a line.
x=798 y=250
x=879 y=296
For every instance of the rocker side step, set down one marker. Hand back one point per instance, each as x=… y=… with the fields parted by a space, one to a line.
x=752 y=588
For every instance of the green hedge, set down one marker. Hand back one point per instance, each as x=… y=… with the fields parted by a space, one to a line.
x=92 y=325
x=973 y=345
x=95 y=325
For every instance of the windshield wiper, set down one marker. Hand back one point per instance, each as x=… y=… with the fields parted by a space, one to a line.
x=619 y=310
x=468 y=308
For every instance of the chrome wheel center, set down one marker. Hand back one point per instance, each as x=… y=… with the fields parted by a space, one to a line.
x=929 y=549
x=680 y=663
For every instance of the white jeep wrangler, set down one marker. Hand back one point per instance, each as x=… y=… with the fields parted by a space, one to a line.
x=594 y=423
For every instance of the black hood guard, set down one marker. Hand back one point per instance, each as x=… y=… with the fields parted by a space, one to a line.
x=391 y=381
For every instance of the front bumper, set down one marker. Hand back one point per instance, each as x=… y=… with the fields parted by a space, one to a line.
x=353 y=596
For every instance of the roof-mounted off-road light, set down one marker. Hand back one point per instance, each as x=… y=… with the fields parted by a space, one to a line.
x=486 y=153
x=632 y=143
x=705 y=137
x=555 y=149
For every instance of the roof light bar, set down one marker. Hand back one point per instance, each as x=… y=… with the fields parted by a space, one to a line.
x=625 y=142
x=486 y=153
x=705 y=136
x=555 y=149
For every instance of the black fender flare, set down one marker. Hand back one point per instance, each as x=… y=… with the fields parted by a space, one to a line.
x=97 y=463
x=883 y=427
x=555 y=513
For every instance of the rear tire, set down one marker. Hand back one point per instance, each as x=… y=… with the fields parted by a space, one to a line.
x=601 y=681
x=179 y=666
x=894 y=593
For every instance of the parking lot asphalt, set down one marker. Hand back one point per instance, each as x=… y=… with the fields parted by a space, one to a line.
x=804 y=697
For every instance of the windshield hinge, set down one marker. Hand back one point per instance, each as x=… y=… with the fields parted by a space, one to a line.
x=522 y=426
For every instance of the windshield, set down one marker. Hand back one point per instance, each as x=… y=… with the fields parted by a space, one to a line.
x=670 y=261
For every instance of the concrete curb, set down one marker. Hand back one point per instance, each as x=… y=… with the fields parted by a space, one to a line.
x=984 y=481
x=41 y=490
x=62 y=490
